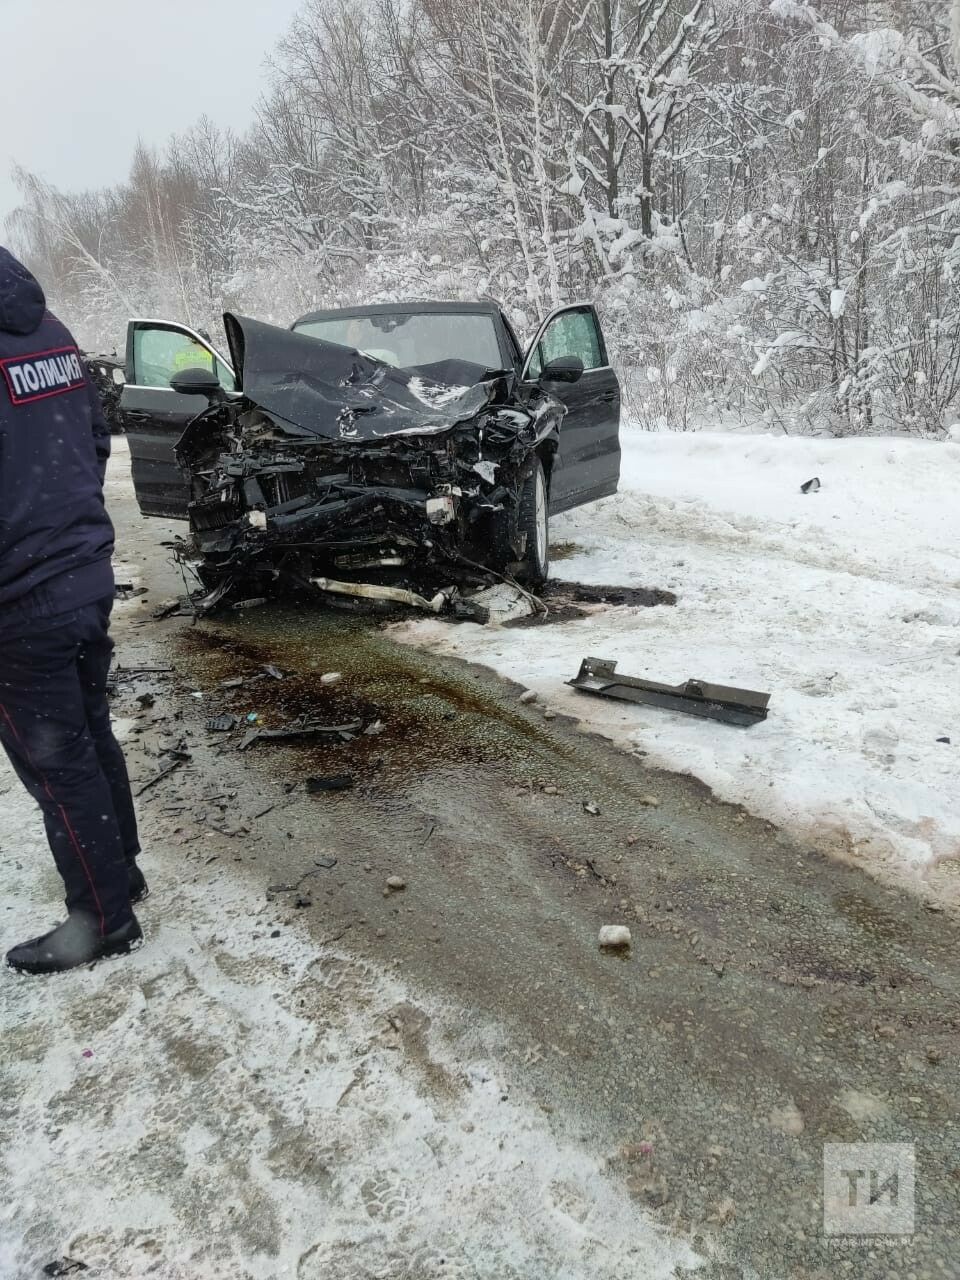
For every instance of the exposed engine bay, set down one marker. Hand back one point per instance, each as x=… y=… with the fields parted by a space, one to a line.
x=335 y=471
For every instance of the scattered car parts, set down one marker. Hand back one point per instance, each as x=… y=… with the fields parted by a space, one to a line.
x=167 y=769
x=333 y=782
x=221 y=724
x=372 y=591
x=308 y=729
x=695 y=697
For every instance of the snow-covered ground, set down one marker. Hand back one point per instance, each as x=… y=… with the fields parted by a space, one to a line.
x=844 y=604
x=237 y=1101
x=228 y=1104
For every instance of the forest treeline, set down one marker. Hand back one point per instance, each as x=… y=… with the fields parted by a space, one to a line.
x=762 y=197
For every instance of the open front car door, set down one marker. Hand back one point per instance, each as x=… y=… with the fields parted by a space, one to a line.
x=155 y=415
x=587 y=465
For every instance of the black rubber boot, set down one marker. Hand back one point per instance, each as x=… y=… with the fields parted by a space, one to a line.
x=139 y=889
x=71 y=944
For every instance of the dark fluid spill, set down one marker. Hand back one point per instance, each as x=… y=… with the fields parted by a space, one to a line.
x=567 y=601
x=432 y=718
x=584 y=593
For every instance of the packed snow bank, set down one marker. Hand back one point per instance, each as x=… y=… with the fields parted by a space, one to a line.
x=843 y=603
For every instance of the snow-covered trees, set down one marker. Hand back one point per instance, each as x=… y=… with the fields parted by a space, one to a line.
x=761 y=195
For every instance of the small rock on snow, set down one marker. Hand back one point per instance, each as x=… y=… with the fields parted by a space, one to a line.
x=861 y=1106
x=528 y=696
x=590 y=807
x=614 y=936
x=396 y=883
x=651 y=802
x=331 y=677
x=724 y=1211
x=787 y=1119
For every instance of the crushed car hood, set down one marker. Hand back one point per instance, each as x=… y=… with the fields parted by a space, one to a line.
x=333 y=469
x=315 y=388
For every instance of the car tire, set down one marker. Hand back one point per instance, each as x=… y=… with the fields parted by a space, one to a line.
x=533 y=522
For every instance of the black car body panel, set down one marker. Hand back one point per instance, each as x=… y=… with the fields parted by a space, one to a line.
x=154 y=415
x=347 y=465
x=329 y=390
x=329 y=461
x=587 y=465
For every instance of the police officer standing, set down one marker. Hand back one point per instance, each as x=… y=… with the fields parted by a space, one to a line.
x=56 y=594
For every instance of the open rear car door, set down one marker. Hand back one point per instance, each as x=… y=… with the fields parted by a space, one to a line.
x=587 y=465
x=155 y=415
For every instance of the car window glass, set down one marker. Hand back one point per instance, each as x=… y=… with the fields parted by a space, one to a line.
x=572 y=333
x=226 y=379
x=409 y=339
x=160 y=354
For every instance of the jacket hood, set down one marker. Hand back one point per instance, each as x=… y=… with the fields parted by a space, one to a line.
x=22 y=303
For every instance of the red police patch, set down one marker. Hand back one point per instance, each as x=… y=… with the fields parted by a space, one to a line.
x=43 y=374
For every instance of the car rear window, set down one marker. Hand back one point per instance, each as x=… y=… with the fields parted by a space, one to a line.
x=408 y=339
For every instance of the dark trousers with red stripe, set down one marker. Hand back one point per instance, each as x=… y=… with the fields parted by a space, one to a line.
x=55 y=727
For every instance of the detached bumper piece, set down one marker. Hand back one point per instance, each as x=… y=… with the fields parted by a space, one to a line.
x=396 y=595
x=695 y=698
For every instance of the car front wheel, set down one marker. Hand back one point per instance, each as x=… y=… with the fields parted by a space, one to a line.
x=534 y=524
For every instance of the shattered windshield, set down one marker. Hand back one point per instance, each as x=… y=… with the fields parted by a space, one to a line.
x=409 y=339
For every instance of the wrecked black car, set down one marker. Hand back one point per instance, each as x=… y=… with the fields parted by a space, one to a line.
x=106 y=373
x=388 y=451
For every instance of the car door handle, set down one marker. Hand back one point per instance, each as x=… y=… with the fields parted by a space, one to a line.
x=609 y=396
x=136 y=415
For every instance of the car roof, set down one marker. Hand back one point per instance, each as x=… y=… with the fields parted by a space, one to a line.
x=406 y=308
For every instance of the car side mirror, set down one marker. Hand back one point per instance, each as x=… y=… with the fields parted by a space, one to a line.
x=563 y=369
x=197 y=382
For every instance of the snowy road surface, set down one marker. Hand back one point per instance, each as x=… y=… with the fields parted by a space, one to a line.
x=241 y=1100
x=337 y=1082
x=844 y=604
x=227 y=1105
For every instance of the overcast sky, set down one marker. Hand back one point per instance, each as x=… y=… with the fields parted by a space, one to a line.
x=82 y=80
